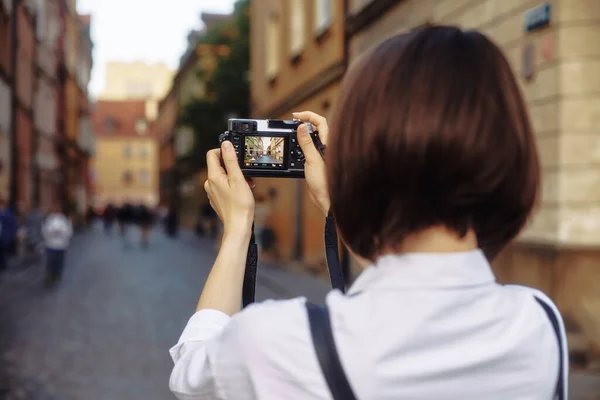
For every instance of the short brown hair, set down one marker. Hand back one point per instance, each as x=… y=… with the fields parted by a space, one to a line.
x=431 y=129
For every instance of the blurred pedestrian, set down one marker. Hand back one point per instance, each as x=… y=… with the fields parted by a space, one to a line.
x=125 y=216
x=33 y=233
x=265 y=234
x=57 y=231
x=208 y=221
x=145 y=220
x=8 y=233
x=108 y=216
x=172 y=222
x=90 y=217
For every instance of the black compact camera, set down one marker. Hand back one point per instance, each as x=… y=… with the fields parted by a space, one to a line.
x=269 y=147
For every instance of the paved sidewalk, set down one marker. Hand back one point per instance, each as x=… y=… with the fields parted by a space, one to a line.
x=105 y=331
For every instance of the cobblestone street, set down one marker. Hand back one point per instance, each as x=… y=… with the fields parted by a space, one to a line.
x=104 y=333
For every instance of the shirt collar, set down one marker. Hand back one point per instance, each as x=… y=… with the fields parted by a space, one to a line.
x=426 y=271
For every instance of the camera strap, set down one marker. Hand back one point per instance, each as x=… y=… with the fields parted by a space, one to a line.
x=249 y=285
x=337 y=380
x=332 y=254
x=336 y=275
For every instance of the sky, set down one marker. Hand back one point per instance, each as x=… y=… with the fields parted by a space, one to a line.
x=145 y=30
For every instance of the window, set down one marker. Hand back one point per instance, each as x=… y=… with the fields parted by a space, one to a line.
x=144 y=177
x=144 y=152
x=110 y=125
x=141 y=126
x=127 y=177
x=272 y=41
x=139 y=89
x=322 y=15
x=127 y=151
x=297 y=34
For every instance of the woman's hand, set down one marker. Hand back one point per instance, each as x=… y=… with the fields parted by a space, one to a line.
x=228 y=192
x=314 y=166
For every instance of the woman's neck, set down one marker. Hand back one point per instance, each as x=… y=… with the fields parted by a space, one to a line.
x=437 y=239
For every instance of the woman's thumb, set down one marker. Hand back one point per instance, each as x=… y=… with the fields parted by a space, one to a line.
x=231 y=162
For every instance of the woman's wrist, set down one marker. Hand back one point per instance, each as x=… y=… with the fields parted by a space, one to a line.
x=240 y=233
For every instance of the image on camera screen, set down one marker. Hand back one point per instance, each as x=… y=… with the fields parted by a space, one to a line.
x=264 y=151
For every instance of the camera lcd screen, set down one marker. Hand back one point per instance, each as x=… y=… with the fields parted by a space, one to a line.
x=264 y=152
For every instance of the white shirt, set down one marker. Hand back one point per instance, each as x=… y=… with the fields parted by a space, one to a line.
x=415 y=326
x=57 y=231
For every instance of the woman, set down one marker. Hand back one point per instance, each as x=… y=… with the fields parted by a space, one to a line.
x=431 y=166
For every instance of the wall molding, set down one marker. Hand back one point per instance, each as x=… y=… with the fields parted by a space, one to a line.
x=369 y=14
x=329 y=76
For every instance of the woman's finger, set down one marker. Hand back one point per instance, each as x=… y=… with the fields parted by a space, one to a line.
x=231 y=161
x=213 y=162
x=313 y=157
x=251 y=182
x=319 y=122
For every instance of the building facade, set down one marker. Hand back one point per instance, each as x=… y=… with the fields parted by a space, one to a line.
x=132 y=84
x=188 y=87
x=175 y=140
x=61 y=141
x=45 y=101
x=6 y=76
x=298 y=59
x=165 y=132
x=126 y=154
x=24 y=78
x=85 y=134
x=38 y=106
x=137 y=80
x=551 y=45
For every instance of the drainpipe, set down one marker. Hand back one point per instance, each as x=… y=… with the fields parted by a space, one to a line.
x=14 y=161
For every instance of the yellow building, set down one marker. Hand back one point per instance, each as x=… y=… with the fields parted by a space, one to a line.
x=137 y=80
x=126 y=154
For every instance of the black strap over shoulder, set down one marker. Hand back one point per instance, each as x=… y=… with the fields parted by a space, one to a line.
x=560 y=385
x=324 y=343
x=331 y=366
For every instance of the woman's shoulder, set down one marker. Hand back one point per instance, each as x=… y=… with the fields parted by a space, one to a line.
x=529 y=294
x=537 y=312
x=273 y=334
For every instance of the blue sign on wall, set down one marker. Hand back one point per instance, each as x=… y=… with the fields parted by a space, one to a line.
x=537 y=17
